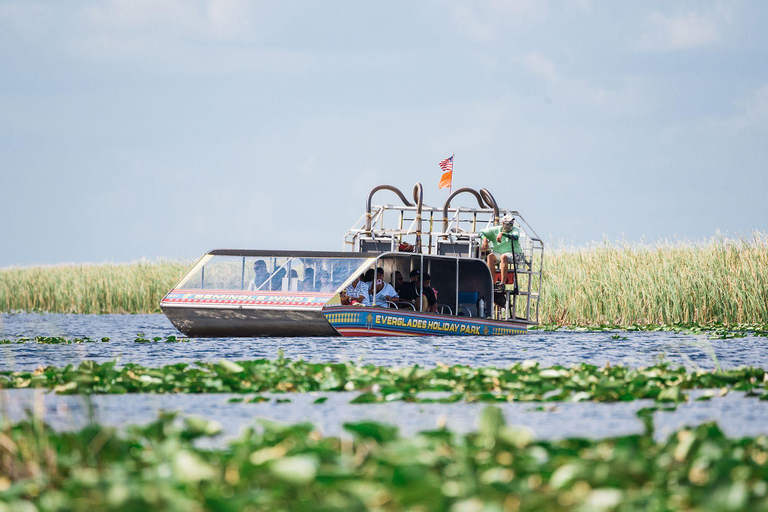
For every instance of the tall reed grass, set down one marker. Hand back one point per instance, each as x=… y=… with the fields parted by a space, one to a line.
x=723 y=280
x=103 y=288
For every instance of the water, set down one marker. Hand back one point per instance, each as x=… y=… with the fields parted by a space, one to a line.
x=738 y=415
x=549 y=348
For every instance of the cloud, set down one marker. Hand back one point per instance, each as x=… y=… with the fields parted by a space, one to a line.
x=756 y=106
x=540 y=67
x=179 y=36
x=220 y=19
x=229 y=18
x=520 y=9
x=622 y=98
x=484 y=19
x=468 y=22
x=671 y=33
x=127 y=14
x=27 y=20
x=753 y=111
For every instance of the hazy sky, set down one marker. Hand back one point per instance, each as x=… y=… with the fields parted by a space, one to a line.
x=165 y=128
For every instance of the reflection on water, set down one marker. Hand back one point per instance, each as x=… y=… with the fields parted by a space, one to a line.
x=737 y=414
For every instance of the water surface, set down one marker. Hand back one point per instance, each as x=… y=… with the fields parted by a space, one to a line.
x=738 y=415
x=549 y=348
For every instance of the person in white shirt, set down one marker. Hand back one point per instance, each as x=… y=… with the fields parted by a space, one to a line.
x=356 y=292
x=261 y=275
x=382 y=291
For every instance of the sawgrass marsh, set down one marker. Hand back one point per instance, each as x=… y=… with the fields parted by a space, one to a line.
x=722 y=281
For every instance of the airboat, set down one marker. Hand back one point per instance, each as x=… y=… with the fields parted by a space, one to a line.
x=232 y=292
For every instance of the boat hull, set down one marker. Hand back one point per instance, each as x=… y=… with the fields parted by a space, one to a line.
x=357 y=321
x=221 y=322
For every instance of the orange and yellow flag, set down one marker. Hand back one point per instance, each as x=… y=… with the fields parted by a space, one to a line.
x=446 y=179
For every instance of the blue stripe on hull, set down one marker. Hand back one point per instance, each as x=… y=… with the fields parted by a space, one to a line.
x=356 y=321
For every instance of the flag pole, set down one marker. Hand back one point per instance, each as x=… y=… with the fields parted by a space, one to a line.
x=453 y=164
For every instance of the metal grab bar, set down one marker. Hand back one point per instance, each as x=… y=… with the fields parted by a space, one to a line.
x=450 y=197
x=442 y=307
x=385 y=187
x=469 y=313
x=418 y=197
x=491 y=202
x=399 y=305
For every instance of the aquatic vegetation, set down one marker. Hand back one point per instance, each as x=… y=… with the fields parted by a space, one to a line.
x=53 y=340
x=525 y=381
x=157 y=339
x=715 y=330
x=162 y=466
x=58 y=340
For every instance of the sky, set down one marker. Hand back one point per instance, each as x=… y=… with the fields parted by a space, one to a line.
x=161 y=129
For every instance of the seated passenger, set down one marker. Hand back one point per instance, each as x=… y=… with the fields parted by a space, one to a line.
x=261 y=274
x=505 y=245
x=277 y=279
x=411 y=292
x=307 y=284
x=324 y=283
x=381 y=291
x=293 y=281
x=398 y=281
x=355 y=293
x=430 y=293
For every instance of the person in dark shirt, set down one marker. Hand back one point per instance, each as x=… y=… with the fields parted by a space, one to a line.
x=398 y=281
x=430 y=293
x=410 y=292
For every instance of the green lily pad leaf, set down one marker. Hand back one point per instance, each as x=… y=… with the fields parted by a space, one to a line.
x=150 y=379
x=379 y=432
x=230 y=366
x=297 y=470
x=580 y=396
x=604 y=499
x=470 y=505
x=564 y=476
x=671 y=394
x=66 y=388
x=191 y=468
x=519 y=437
x=365 y=398
x=197 y=426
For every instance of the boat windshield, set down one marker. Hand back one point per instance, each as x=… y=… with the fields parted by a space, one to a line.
x=272 y=273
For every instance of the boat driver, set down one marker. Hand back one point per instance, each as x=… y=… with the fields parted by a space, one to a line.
x=505 y=245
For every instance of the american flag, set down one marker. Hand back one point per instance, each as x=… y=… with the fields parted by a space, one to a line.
x=447 y=164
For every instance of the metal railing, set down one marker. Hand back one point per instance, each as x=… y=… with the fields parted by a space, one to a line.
x=452 y=231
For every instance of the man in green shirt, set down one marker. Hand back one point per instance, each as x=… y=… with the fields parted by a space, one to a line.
x=505 y=245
